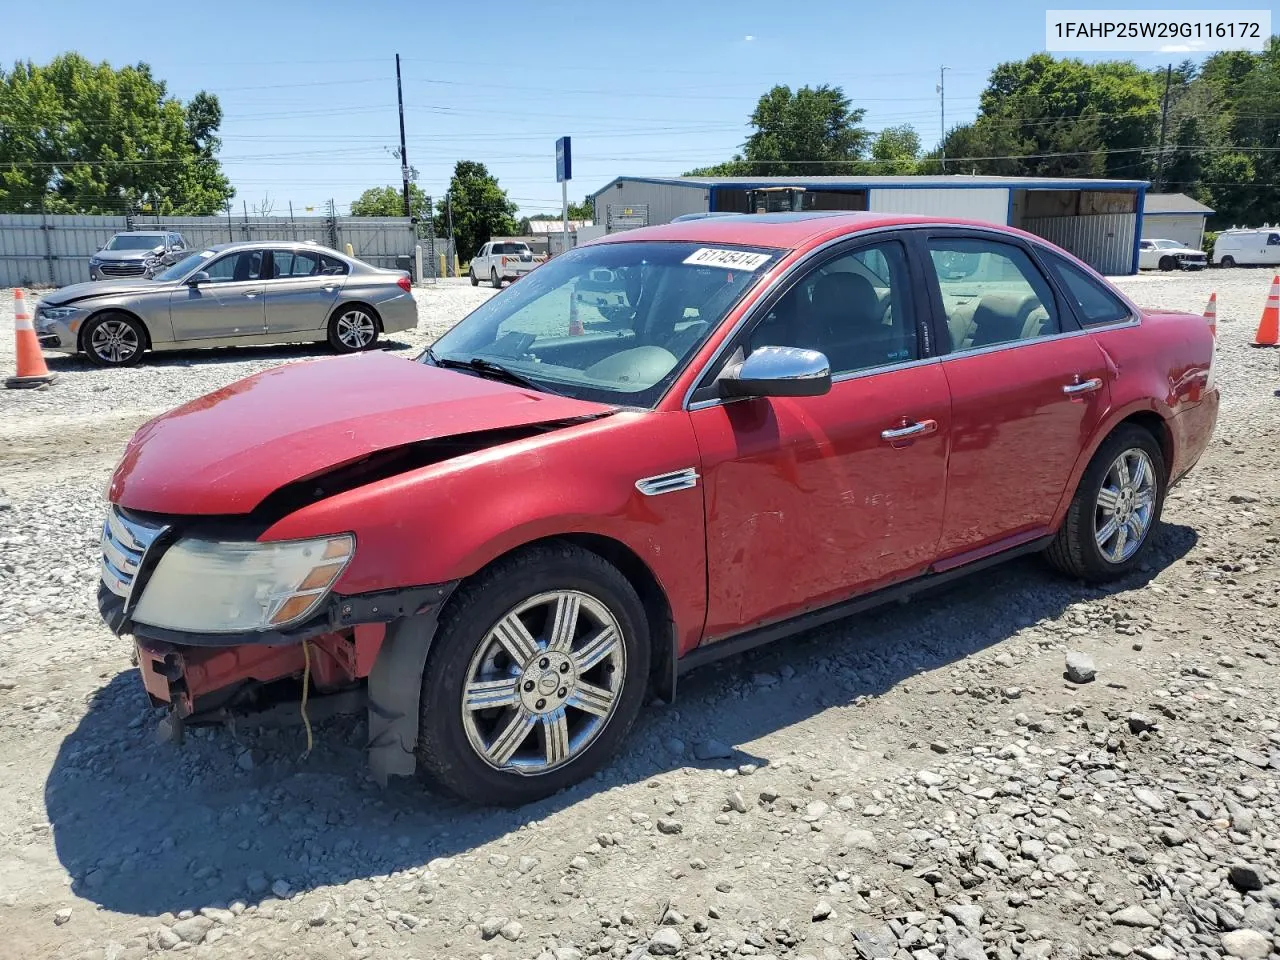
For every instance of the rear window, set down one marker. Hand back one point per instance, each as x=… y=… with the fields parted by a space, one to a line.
x=1094 y=303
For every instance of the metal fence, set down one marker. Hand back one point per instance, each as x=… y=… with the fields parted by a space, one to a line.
x=38 y=250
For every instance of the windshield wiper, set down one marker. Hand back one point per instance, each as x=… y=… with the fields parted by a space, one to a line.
x=487 y=367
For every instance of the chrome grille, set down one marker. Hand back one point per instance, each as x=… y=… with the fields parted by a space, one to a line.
x=125 y=542
x=121 y=268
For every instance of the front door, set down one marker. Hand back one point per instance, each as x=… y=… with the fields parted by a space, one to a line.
x=1028 y=388
x=229 y=304
x=812 y=499
x=302 y=288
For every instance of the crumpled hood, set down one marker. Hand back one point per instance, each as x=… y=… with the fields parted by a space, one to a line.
x=119 y=256
x=225 y=452
x=101 y=288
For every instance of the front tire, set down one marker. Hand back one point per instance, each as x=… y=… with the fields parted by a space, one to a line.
x=1108 y=527
x=536 y=676
x=114 y=340
x=1168 y=263
x=1227 y=262
x=475 y=281
x=352 y=328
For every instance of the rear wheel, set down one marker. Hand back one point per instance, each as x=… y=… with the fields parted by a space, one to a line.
x=1109 y=524
x=352 y=328
x=114 y=340
x=1168 y=263
x=535 y=677
x=494 y=278
x=1227 y=262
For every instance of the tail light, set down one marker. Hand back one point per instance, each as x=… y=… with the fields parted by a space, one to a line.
x=504 y=261
x=405 y=284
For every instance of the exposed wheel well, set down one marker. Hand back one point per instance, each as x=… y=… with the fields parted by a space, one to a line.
x=1154 y=424
x=654 y=599
x=146 y=333
x=377 y=317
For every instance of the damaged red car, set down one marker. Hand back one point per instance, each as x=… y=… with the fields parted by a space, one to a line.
x=666 y=446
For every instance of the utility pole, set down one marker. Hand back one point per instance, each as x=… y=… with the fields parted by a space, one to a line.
x=1164 y=120
x=451 y=248
x=404 y=156
x=942 y=112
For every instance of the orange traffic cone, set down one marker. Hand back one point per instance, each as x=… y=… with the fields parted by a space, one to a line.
x=1211 y=313
x=32 y=371
x=575 y=324
x=1268 y=334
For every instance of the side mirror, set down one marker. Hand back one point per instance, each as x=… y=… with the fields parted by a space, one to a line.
x=198 y=278
x=778 y=372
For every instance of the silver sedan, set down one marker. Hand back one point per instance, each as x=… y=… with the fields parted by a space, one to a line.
x=231 y=294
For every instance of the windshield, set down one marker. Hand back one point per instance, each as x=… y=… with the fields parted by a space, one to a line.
x=135 y=241
x=613 y=322
x=184 y=266
x=1167 y=244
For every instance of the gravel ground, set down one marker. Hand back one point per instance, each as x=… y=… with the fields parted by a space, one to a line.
x=1020 y=767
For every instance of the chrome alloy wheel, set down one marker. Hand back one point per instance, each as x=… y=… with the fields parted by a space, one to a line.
x=356 y=329
x=114 y=341
x=1125 y=506
x=544 y=682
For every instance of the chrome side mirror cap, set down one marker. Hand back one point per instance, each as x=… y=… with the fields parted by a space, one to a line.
x=778 y=372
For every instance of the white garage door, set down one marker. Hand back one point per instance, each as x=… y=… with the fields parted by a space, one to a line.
x=1185 y=229
x=987 y=204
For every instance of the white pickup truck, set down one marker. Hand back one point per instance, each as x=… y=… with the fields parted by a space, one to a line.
x=502 y=260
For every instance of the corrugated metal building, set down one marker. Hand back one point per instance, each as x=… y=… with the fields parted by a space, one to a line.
x=1174 y=216
x=1100 y=221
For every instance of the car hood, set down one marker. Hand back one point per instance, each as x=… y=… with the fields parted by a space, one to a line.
x=101 y=288
x=224 y=453
x=120 y=255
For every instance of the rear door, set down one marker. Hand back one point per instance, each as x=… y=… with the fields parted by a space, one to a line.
x=1028 y=388
x=301 y=290
x=230 y=304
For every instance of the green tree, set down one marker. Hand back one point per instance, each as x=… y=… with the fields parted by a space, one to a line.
x=814 y=131
x=79 y=137
x=389 y=202
x=736 y=167
x=481 y=208
x=896 y=151
x=586 y=210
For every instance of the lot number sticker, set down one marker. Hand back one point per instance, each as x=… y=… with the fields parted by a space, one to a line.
x=728 y=259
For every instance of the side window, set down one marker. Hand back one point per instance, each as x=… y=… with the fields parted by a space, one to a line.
x=331 y=266
x=1147 y=245
x=1273 y=240
x=236 y=267
x=1095 y=304
x=991 y=293
x=288 y=263
x=854 y=308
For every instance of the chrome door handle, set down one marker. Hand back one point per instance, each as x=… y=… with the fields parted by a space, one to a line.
x=1087 y=386
x=251 y=294
x=329 y=287
x=912 y=430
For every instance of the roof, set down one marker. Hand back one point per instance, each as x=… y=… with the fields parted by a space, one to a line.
x=915 y=182
x=272 y=245
x=780 y=230
x=555 y=226
x=1167 y=203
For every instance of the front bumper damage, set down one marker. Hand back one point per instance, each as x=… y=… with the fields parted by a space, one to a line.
x=364 y=649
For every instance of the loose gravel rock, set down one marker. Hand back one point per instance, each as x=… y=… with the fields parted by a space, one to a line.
x=921 y=774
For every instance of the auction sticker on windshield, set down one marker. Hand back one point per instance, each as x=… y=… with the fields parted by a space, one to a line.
x=728 y=259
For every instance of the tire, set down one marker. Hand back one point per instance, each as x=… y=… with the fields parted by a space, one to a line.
x=114 y=340
x=475 y=281
x=495 y=279
x=1227 y=262
x=1168 y=263
x=352 y=328
x=1076 y=550
x=453 y=740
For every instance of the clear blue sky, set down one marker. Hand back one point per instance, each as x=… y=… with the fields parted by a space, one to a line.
x=654 y=88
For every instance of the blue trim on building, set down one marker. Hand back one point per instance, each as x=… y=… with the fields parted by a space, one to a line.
x=1137 y=229
x=1008 y=217
x=853 y=183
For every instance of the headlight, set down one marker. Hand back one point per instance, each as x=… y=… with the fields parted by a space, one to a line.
x=57 y=313
x=208 y=586
x=95 y=262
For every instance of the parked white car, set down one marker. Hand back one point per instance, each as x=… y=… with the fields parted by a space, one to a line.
x=1247 y=248
x=501 y=260
x=1169 y=255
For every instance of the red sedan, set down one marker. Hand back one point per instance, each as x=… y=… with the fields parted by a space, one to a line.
x=660 y=448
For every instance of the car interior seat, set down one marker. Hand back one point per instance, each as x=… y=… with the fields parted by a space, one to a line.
x=846 y=320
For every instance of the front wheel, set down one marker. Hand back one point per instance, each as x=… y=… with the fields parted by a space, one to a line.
x=1168 y=263
x=475 y=281
x=536 y=676
x=1227 y=262
x=1108 y=526
x=114 y=340
x=352 y=328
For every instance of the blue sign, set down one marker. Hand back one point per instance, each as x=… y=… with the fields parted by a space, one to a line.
x=564 y=161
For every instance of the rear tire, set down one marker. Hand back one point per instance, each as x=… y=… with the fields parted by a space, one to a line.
x=531 y=738
x=114 y=340
x=495 y=279
x=352 y=328
x=1119 y=500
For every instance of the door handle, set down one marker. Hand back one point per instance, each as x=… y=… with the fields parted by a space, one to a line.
x=923 y=428
x=329 y=287
x=1086 y=386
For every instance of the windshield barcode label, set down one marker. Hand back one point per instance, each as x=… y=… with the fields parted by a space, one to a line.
x=728 y=259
